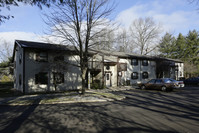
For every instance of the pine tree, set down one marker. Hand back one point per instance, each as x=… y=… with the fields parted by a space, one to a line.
x=180 y=47
x=167 y=46
x=192 y=44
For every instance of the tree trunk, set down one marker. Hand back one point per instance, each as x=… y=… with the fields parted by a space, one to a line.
x=83 y=80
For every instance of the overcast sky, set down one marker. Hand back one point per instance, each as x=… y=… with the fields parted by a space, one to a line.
x=176 y=16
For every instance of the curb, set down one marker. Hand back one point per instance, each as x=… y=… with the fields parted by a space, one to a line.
x=58 y=102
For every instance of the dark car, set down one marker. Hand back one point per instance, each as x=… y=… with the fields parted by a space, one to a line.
x=192 y=81
x=162 y=84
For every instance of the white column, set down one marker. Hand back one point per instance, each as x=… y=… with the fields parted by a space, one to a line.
x=89 y=76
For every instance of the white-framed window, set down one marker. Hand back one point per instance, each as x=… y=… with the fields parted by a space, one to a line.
x=145 y=62
x=134 y=62
x=41 y=78
x=134 y=75
x=145 y=75
x=58 y=78
x=42 y=56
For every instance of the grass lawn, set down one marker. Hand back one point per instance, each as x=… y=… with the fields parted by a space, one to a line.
x=6 y=89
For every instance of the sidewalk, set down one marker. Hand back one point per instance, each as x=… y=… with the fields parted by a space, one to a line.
x=65 y=97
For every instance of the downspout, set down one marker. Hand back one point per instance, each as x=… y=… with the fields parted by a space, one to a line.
x=102 y=71
x=117 y=70
x=140 y=70
x=24 y=71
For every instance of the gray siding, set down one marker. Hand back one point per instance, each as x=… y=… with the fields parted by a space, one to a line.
x=18 y=70
x=72 y=79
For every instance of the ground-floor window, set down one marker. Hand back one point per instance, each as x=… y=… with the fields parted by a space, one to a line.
x=134 y=75
x=58 y=78
x=41 y=78
x=19 y=79
x=145 y=75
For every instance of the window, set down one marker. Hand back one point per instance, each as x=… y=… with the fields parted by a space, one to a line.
x=107 y=67
x=152 y=81
x=180 y=73
x=19 y=79
x=122 y=67
x=167 y=80
x=59 y=58
x=134 y=62
x=41 y=78
x=145 y=75
x=145 y=62
x=158 y=81
x=58 y=78
x=107 y=76
x=42 y=56
x=20 y=58
x=134 y=75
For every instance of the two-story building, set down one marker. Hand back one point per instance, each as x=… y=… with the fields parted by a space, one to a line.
x=43 y=67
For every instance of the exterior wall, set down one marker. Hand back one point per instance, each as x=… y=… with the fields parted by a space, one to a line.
x=72 y=79
x=18 y=68
x=151 y=69
x=180 y=72
x=72 y=74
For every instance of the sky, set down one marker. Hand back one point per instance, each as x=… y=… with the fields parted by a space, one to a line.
x=175 y=16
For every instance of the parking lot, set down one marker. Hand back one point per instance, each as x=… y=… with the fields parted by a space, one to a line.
x=141 y=111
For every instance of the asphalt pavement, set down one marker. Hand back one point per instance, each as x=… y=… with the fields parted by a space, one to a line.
x=141 y=111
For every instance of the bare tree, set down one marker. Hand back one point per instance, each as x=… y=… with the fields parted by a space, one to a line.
x=77 y=23
x=5 y=51
x=123 y=42
x=145 y=33
x=105 y=41
x=7 y=4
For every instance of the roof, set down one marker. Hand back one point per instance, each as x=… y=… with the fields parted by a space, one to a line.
x=131 y=55
x=49 y=46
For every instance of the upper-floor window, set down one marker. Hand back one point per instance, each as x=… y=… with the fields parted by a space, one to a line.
x=134 y=62
x=58 y=78
x=59 y=58
x=42 y=56
x=134 y=75
x=41 y=78
x=145 y=75
x=145 y=62
x=122 y=67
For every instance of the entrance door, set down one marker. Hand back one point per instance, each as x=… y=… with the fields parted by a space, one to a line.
x=108 y=79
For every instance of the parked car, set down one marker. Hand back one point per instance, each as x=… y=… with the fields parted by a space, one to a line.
x=164 y=84
x=178 y=83
x=192 y=81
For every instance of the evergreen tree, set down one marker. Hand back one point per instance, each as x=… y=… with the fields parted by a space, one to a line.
x=192 y=45
x=167 y=46
x=180 y=47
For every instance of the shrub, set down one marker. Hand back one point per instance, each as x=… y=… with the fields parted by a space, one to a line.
x=5 y=78
x=96 y=85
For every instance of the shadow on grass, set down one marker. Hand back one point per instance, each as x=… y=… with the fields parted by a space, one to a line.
x=7 y=90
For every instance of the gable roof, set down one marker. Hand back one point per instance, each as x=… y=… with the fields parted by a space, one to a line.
x=131 y=55
x=59 y=47
x=47 y=46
